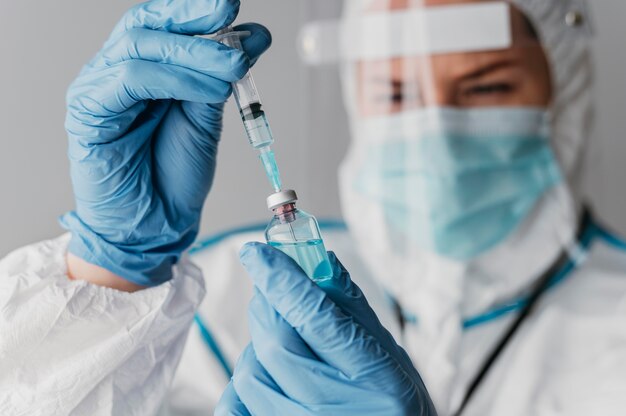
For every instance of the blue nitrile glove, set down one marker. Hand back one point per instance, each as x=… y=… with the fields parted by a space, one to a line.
x=144 y=120
x=317 y=350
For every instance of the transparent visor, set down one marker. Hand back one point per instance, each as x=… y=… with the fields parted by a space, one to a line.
x=400 y=55
x=450 y=123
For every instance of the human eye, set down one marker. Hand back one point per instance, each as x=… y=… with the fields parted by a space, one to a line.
x=489 y=89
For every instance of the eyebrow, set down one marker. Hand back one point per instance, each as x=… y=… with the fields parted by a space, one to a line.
x=483 y=70
x=473 y=74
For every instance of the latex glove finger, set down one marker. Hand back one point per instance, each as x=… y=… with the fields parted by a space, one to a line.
x=189 y=17
x=348 y=296
x=203 y=55
x=230 y=404
x=99 y=101
x=258 y=391
x=185 y=17
x=257 y=43
x=328 y=331
x=282 y=352
x=306 y=379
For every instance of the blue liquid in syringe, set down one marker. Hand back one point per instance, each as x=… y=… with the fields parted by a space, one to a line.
x=261 y=138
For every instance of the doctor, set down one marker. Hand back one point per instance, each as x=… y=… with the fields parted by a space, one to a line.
x=490 y=288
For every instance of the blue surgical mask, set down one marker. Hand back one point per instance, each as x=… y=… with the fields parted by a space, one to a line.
x=458 y=182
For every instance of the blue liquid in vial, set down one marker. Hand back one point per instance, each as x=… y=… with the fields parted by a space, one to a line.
x=271 y=169
x=310 y=255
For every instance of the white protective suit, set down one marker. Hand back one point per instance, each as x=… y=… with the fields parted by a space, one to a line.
x=68 y=347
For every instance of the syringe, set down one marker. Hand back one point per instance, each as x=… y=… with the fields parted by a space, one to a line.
x=252 y=114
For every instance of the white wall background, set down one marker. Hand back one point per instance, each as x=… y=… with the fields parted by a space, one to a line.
x=43 y=44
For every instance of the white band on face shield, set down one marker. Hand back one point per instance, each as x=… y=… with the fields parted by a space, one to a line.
x=409 y=32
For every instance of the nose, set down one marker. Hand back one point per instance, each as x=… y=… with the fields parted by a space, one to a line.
x=435 y=87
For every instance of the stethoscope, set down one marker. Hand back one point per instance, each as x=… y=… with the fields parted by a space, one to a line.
x=568 y=261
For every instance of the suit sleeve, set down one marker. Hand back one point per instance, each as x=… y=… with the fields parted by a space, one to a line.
x=70 y=347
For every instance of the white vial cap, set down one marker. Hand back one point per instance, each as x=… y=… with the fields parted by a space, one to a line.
x=286 y=196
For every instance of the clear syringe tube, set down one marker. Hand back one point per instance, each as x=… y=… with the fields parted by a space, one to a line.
x=252 y=114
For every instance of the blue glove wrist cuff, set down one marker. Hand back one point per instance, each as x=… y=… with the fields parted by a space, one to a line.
x=142 y=265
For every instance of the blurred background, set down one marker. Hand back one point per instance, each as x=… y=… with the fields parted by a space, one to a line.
x=44 y=44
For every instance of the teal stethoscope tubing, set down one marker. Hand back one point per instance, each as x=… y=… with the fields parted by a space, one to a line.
x=589 y=234
x=565 y=264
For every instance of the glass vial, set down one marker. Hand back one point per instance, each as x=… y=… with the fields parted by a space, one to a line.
x=297 y=234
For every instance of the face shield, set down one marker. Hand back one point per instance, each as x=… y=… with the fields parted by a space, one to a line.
x=465 y=55
x=450 y=104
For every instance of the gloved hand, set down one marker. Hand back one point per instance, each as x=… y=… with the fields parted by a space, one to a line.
x=144 y=120
x=317 y=350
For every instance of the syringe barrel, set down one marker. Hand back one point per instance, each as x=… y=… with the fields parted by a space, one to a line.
x=248 y=99
x=245 y=90
x=256 y=125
